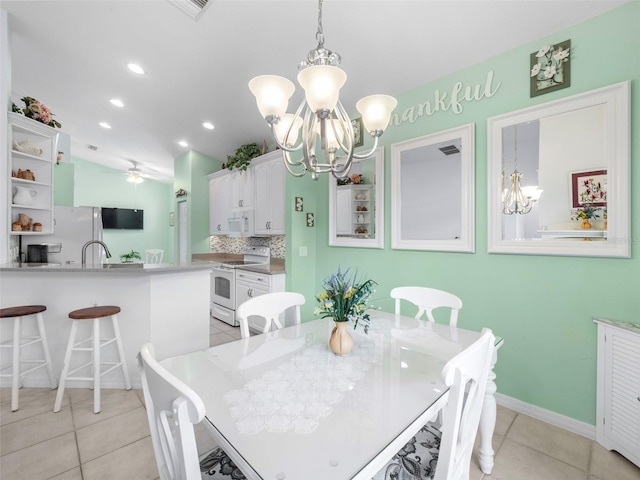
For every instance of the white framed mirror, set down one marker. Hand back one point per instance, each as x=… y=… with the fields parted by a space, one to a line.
x=432 y=191
x=572 y=155
x=356 y=205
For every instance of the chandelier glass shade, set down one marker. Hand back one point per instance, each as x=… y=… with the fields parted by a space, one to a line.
x=327 y=137
x=135 y=178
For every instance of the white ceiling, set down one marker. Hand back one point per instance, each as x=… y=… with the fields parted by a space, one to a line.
x=71 y=54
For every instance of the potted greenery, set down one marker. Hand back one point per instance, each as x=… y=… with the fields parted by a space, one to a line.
x=130 y=257
x=243 y=156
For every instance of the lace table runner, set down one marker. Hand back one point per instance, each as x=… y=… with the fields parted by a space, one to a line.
x=297 y=394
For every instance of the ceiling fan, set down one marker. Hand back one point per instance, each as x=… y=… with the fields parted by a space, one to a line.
x=135 y=174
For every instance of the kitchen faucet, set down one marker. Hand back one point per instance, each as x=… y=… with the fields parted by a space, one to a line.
x=84 y=250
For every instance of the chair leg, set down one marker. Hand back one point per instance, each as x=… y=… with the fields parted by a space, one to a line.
x=125 y=370
x=15 y=367
x=45 y=349
x=96 y=365
x=65 y=366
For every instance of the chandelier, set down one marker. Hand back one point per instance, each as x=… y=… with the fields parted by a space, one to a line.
x=517 y=199
x=327 y=140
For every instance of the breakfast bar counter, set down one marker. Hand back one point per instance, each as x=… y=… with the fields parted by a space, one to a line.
x=167 y=305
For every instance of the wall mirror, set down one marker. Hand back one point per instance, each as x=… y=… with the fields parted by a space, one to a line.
x=571 y=157
x=432 y=191
x=356 y=205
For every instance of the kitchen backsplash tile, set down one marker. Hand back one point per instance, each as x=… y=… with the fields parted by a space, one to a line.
x=236 y=245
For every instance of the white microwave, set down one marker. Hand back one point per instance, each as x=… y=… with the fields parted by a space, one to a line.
x=241 y=225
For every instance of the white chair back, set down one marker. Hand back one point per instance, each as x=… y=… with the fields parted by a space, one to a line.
x=428 y=299
x=154 y=255
x=172 y=409
x=269 y=306
x=466 y=375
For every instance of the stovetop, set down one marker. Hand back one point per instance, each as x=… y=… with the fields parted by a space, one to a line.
x=252 y=256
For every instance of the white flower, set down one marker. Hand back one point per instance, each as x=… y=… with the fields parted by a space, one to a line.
x=561 y=54
x=535 y=70
x=550 y=71
x=543 y=51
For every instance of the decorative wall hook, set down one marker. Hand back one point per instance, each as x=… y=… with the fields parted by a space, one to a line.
x=181 y=193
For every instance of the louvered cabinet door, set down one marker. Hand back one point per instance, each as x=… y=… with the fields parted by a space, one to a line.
x=618 y=422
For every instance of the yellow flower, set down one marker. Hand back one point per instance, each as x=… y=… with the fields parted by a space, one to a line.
x=322 y=296
x=349 y=293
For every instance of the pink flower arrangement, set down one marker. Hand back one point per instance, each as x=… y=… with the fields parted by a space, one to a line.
x=36 y=110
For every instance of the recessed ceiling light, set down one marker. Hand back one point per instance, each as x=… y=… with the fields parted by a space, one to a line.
x=208 y=125
x=135 y=68
x=183 y=143
x=117 y=102
x=104 y=125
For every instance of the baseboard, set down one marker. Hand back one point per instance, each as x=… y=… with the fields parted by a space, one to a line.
x=553 y=418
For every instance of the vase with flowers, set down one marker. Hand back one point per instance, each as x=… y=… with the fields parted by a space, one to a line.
x=584 y=214
x=345 y=300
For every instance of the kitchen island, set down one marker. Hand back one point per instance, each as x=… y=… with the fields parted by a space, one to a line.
x=167 y=305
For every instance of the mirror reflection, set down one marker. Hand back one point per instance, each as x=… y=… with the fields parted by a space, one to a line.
x=356 y=205
x=559 y=176
x=432 y=191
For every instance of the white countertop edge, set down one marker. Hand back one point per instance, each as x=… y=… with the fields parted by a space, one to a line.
x=76 y=268
x=632 y=327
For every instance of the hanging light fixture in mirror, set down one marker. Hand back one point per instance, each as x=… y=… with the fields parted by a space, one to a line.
x=517 y=199
x=327 y=141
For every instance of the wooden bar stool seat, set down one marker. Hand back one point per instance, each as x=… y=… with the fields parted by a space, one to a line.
x=93 y=344
x=20 y=341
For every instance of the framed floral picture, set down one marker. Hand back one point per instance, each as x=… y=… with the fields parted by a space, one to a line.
x=550 y=68
x=589 y=188
x=358 y=141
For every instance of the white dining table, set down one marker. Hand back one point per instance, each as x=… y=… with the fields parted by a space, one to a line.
x=283 y=406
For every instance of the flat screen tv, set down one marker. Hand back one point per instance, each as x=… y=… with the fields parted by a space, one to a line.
x=122 y=218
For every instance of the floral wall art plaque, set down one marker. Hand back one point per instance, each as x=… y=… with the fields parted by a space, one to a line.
x=589 y=189
x=550 y=68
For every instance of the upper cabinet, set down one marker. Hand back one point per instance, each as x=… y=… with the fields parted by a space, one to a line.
x=31 y=160
x=257 y=193
x=241 y=189
x=269 y=178
x=219 y=195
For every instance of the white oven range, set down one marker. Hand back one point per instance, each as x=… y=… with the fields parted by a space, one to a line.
x=223 y=283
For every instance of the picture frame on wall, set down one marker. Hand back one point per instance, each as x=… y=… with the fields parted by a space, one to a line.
x=550 y=68
x=589 y=188
x=358 y=140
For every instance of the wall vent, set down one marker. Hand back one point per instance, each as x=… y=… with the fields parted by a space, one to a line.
x=193 y=8
x=91 y=147
x=449 y=150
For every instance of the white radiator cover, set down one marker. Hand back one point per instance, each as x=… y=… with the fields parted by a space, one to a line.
x=618 y=402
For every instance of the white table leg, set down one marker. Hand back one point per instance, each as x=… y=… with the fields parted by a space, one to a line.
x=488 y=420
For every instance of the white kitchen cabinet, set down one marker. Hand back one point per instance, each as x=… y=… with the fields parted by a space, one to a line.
x=252 y=284
x=241 y=189
x=32 y=156
x=618 y=402
x=269 y=178
x=219 y=198
x=354 y=216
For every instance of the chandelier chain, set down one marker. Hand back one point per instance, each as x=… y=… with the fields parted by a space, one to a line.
x=319 y=33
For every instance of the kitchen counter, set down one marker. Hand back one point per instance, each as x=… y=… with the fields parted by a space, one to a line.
x=274 y=267
x=126 y=268
x=167 y=305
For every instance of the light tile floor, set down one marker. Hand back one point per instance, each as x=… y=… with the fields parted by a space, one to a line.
x=76 y=444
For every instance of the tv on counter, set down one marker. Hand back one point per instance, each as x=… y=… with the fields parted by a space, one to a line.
x=122 y=218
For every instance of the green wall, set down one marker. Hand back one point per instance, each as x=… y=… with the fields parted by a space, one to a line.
x=190 y=174
x=542 y=305
x=99 y=186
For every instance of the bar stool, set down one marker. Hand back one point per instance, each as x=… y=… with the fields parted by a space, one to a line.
x=21 y=341
x=95 y=314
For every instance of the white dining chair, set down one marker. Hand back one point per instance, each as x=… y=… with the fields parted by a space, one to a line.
x=446 y=454
x=154 y=255
x=427 y=300
x=269 y=306
x=172 y=410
